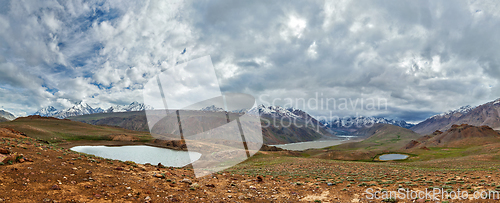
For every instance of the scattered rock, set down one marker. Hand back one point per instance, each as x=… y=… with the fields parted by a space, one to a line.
x=55 y=187
x=4 y=151
x=11 y=158
x=185 y=180
x=119 y=169
x=210 y=185
x=158 y=175
x=259 y=179
x=195 y=185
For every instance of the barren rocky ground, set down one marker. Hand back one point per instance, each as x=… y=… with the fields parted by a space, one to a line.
x=35 y=171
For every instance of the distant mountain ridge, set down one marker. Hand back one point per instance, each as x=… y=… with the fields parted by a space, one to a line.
x=134 y=106
x=81 y=108
x=47 y=111
x=213 y=108
x=485 y=114
x=458 y=136
x=274 y=131
x=347 y=124
x=269 y=111
x=351 y=124
x=7 y=115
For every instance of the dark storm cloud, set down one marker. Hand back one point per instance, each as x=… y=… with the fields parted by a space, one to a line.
x=423 y=57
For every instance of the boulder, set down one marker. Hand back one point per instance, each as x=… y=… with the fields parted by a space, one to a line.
x=4 y=151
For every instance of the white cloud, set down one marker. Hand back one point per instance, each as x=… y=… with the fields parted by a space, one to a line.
x=409 y=53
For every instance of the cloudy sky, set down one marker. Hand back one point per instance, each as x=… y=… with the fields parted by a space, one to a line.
x=422 y=57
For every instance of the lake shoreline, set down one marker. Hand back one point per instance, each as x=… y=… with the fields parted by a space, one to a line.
x=141 y=154
x=310 y=145
x=116 y=143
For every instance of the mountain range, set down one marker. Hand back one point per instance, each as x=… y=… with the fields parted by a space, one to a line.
x=134 y=106
x=353 y=123
x=344 y=125
x=486 y=114
x=81 y=108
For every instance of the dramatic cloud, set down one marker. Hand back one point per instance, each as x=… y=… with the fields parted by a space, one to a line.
x=420 y=57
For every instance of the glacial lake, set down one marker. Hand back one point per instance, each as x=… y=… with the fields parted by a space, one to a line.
x=389 y=157
x=299 y=146
x=142 y=154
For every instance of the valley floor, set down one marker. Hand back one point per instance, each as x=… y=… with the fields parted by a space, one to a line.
x=60 y=175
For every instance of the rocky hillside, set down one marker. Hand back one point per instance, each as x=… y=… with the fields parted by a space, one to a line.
x=292 y=128
x=458 y=136
x=486 y=114
x=55 y=130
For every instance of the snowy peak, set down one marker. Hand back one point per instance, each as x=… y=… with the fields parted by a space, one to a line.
x=496 y=102
x=212 y=108
x=7 y=115
x=134 y=106
x=361 y=121
x=462 y=110
x=47 y=111
x=275 y=111
x=78 y=109
x=485 y=114
x=81 y=108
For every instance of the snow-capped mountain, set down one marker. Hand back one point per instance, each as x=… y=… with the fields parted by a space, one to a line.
x=485 y=114
x=361 y=121
x=134 y=106
x=7 y=115
x=275 y=111
x=47 y=111
x=212 y=108
x=81 y=108
x=78 y=109
x=269 y=111
x=462 y=110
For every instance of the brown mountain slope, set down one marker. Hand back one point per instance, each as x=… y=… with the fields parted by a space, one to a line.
x=460 y=136
x=274 y=131
x=486 y=114
x=56 y=130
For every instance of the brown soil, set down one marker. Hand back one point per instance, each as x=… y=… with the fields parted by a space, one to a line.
x=60 y=175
